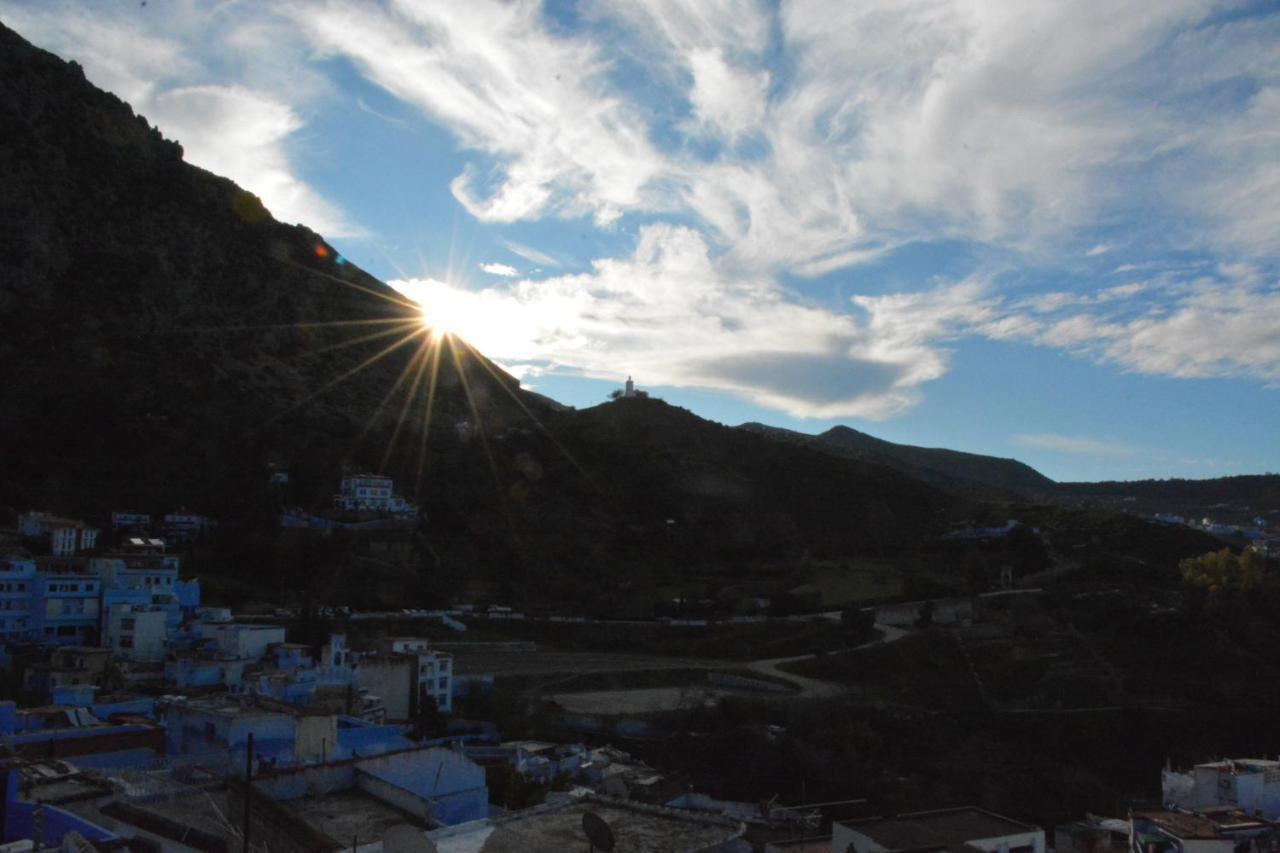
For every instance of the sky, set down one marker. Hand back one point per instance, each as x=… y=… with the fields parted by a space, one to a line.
x=1047 y=230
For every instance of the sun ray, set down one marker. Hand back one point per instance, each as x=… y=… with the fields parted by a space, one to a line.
x=484 y=362
x=372 y=336
x=420 y=358
x=405 y=373
x=484 y=439
x=436 y=350
x=267 y=327
x=395 y=300
x=383 y=353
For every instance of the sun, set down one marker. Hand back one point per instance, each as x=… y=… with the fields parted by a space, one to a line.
x=493 y=325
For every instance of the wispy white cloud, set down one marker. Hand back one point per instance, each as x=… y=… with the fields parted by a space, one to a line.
x=530 y=254
x=1210 y=326
x=794 y=140
x=1072 y=444
x=557 y=138
x=670 y=316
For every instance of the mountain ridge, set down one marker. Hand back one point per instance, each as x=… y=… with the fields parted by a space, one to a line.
x=984 y=476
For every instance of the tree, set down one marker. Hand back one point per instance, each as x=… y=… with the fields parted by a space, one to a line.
x=1224 y=570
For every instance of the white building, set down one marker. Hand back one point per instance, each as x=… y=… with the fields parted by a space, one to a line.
x=435 y=671
x=948 y=829
x=405 y=674
x=136 y=633
x=1249 y=784
x=185 y=524
x=66 y=536
x=130 y=520
x=242 y=640
x=371 y=493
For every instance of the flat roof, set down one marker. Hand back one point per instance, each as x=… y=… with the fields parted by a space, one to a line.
x=1242 y=764
x=1203 y=825
x=347 y=815
x=950 y=828
x=557 y=827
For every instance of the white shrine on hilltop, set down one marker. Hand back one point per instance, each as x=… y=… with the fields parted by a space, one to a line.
x=630 y=389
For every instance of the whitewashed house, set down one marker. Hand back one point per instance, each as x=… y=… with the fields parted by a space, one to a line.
x=1249 y=784
x=66 y=536
x=371 y=493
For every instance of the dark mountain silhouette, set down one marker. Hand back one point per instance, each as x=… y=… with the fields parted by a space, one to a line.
x=972 y=473
x=165 y=340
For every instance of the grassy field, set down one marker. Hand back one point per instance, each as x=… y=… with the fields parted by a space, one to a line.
x=858 y=581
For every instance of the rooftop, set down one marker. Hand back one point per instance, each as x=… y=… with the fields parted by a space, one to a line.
x=1206 y=824
x=558 y=826
x=934 y=829
x=347 y=815
x=1248 y=765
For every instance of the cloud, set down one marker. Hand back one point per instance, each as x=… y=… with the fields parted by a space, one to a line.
x=162 y=65
x=554 y=137
x=746 y=144
x=239 y=134
x=669 y=315
x=1071 y=444
x=530 y=254
x=1209 y=326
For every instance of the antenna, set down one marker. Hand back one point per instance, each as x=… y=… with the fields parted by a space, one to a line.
x=599 y=835
x=403 y=838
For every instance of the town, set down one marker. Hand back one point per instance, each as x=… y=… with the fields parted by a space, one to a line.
x=148 y=720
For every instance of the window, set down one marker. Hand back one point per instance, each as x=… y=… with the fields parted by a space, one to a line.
x=126 y=642
x=127 y=624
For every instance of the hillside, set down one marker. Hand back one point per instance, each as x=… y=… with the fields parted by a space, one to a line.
x=163 y=337
x=982 y=476
x=1234 y=500
x=166 y=340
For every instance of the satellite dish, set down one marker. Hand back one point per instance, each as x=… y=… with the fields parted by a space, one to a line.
x=615 y=787
x=598 y=832
x=403 y=838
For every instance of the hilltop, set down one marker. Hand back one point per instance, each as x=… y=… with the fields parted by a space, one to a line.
x=982 y=476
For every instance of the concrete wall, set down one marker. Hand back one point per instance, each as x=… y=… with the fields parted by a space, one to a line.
x=392 y=680
x=316 y=738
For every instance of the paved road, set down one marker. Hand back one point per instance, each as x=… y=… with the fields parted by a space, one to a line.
x=813 y=688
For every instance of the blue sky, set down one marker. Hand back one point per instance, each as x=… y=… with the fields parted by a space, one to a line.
x=1043 y=230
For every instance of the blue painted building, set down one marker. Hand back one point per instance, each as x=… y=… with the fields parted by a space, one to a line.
x=65 y=603
x=17 y=583
x=19 y=818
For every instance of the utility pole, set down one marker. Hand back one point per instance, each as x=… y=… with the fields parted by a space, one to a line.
x=248 y=784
